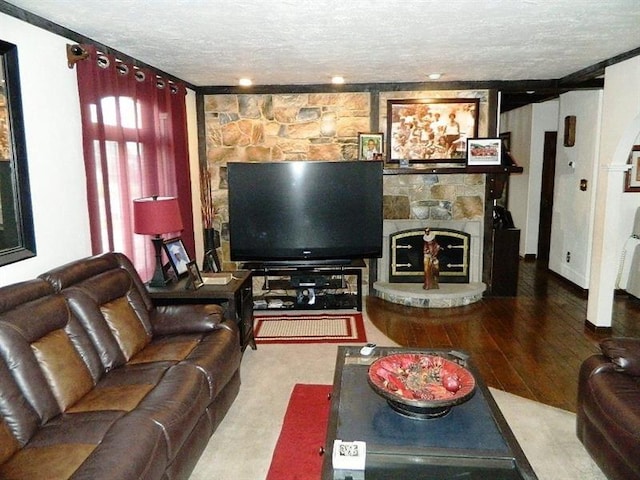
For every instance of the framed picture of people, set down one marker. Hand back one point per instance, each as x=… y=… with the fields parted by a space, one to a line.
x=430 y=130
x=370 y=146
x=484 y=151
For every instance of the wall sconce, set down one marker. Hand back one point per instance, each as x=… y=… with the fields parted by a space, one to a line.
x=569 y=130
x=155 y=216
x=75 y=53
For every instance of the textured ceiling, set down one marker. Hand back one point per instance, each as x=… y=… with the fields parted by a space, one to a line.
x=215 y=42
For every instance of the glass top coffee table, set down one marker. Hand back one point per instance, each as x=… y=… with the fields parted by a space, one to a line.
x=472 y=441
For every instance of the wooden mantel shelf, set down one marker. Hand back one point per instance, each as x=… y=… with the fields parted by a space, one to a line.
x=509 y=165
x=462 y=169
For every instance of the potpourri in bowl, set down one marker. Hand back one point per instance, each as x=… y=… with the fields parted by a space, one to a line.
x=421 y=385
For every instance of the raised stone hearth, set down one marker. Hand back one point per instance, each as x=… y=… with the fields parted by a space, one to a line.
x=447 y=296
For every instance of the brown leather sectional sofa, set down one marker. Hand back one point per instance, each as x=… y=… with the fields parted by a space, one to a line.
x=97 y=383
x=608 y=421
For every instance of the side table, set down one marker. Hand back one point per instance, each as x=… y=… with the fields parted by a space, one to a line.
x=237 y=297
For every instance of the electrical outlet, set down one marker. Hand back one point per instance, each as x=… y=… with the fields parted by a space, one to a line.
x=568 y=257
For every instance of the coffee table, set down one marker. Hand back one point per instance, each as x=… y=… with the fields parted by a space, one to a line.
x=473 y=441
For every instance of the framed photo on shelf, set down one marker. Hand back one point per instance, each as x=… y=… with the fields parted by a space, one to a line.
x=506 y=140
x=211 y=262
x=370 y=146
x=177 y=255
x=195 y=278
x=430 y=130
x=632 y=176
x=484 y=151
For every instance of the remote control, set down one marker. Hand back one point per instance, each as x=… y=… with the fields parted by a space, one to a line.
x=368 y=349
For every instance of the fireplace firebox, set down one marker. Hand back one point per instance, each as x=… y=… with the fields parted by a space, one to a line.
x=406 y=256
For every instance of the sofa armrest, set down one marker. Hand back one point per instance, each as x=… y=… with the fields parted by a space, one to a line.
x=624 y=353
x=176 y=319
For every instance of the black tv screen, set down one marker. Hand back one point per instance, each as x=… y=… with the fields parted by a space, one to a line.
x=305 y=211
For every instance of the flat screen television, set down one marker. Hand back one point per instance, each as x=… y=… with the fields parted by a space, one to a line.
x=305 y=212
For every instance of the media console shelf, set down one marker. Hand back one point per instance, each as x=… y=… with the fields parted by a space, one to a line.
x=308 y=287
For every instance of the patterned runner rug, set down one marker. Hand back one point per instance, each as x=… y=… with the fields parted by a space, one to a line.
x=310 y=328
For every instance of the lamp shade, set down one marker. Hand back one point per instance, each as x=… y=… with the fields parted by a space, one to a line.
x=156 y=215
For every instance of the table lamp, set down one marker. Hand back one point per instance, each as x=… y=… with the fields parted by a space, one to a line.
x=154 y=216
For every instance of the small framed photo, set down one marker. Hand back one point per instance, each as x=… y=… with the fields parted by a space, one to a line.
x=177 y=255
x=506 y=140
x=484 y=151
x=211 y=262
x=370 y=146
x=195 y=278
x=632 y=177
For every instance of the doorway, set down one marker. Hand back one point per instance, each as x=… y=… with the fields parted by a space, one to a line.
x=546 y=198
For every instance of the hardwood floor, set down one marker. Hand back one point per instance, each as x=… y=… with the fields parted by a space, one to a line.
x=531 y=345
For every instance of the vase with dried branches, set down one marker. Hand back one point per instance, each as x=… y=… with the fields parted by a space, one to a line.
x=209 y=212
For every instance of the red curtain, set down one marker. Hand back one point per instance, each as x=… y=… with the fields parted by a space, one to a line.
x=135 y=145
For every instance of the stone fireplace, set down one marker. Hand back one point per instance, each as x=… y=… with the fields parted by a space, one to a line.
x=462 y=283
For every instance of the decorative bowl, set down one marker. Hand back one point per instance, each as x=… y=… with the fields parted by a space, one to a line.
x=419 y=385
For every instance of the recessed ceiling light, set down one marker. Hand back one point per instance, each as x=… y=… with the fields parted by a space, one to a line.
x=435 y=76
x=337 y=80
x=245 y=82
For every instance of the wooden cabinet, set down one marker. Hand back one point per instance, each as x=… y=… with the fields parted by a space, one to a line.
x=236 y=297
x=504 y=261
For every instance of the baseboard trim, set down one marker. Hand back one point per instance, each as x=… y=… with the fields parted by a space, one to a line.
x=583 y=292
x=596 y=329
x=530 y=257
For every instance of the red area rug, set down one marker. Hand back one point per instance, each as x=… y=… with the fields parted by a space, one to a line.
x=297 y=453
x=310 y=328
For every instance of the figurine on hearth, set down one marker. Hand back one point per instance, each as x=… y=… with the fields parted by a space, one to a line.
x=431 y=262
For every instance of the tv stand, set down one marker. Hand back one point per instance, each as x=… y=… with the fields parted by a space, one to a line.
x=307 y=286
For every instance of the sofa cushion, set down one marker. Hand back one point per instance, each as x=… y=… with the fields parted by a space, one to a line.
x=12 y=296
x=18 y=332
x=125 y=326
x=133 y=448
x=176 y=404
x=78 y=446
x=174 y=348
x=217 y=357
x=110 y=309
x=624 y=353
x=8 y=443
x=63 y=368
x=122 y=397
x=611 y=404
x=122 y=388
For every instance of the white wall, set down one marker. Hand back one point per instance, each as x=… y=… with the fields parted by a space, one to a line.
x=519 y=122
x=54 y=149
x=528 y=126
x=614 y=210
x=573 y=209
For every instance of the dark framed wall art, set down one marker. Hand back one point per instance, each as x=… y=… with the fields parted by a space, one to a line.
x=632 y=177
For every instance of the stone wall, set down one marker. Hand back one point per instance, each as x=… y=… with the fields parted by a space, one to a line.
x=318 y=126
x=325 y=126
